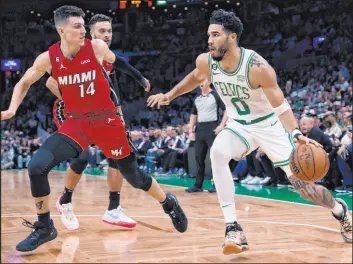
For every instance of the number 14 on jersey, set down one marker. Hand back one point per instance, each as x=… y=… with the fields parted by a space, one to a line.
x=90 y=89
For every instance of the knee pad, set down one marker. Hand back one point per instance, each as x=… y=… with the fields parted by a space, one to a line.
x=129 y=169
x=41 y=163
x=79 y=164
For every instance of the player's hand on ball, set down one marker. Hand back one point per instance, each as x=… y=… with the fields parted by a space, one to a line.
x=307 y=141
x=7 y=114
x=148 y=87
x=159 y=99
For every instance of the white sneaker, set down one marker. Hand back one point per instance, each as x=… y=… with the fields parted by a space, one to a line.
x=256 y=180
x=68 y=217
x=247 y=178
x=266 y=180
x=235 y=240
x=117 y=217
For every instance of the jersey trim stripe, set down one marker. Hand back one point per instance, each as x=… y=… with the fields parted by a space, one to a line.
x=257 y=120
x=242 y=139
x=239 y=65
x=285 y=162
x=291 y=141
x=280 y=164
x=116 y=97
x=210 y=65
x=72 y=139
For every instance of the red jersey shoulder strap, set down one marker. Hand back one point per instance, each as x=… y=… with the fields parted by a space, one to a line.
x=54 y=55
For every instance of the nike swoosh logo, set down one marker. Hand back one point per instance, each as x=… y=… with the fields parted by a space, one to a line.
x=274 y=123
x=226 y=205
x=216 y=73
x=115 y=217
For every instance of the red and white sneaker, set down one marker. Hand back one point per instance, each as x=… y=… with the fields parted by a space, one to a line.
x=117 y=217
x=68 y=217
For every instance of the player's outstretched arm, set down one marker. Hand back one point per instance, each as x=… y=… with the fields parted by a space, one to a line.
x=123 y=66
x=102 y=50
x=262 y=74
x=53 y=87
x=189 y=83
x=40 y=66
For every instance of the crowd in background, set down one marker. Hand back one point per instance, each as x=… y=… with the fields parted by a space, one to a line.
x=318 y=86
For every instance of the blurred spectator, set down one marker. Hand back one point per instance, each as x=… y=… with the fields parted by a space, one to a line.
x=332 y=128
x=6 y=159
x=315 y=133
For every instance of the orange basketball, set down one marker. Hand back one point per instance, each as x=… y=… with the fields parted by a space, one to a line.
x=309 y=163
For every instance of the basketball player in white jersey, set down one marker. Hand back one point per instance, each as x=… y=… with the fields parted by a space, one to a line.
x=259 y=116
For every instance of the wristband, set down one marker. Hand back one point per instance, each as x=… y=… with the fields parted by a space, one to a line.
x=296 y=133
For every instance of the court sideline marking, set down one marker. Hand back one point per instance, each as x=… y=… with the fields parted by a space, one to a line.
x=197 y=218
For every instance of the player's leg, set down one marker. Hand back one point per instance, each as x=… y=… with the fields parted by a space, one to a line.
x=72 y=177
x=119 y=147
x=129 y=169
x=231 y=143
x=55 y=149
x=278 y=146
x=115 y=215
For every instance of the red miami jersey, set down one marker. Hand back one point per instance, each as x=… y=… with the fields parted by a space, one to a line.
x=83 y=86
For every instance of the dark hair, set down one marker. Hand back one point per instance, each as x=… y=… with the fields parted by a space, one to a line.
x=230 y=22
x=64 y=12
x=99 y=18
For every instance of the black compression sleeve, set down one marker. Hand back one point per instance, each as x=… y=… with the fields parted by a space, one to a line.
x=123 y=66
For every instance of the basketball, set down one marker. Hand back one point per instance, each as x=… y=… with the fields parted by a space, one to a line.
x=309 y=163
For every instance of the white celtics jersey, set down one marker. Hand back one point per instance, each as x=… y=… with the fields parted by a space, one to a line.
x=241 y=100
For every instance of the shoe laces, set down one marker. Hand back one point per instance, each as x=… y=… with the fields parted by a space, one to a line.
x=69 y=213
x=232 y=235
x=29 y=224
x=117 y=211
x=35 y=227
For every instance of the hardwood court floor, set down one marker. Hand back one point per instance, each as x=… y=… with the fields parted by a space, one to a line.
x=276 y=231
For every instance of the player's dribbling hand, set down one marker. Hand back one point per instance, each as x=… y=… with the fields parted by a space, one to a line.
x=159 y=99
x=305 y=140
x=148 y=87
x=7 y=114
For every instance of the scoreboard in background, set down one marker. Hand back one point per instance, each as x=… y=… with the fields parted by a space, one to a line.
x=161 y=2
x=10 y=65
x=136 y=3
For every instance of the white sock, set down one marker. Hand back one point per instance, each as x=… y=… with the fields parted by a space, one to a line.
x=337 y=210
x=229 y=213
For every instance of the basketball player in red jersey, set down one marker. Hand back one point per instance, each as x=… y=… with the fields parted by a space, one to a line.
x=100 y=28
x=76 y=64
